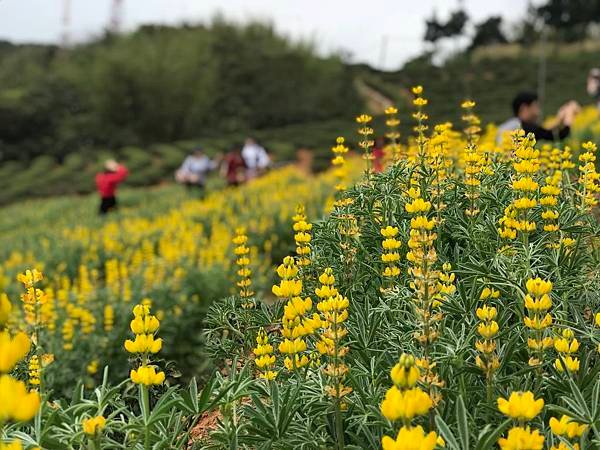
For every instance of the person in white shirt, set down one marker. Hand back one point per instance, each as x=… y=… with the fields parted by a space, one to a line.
x=593 y=85
x=195 y=168
x=255 y=158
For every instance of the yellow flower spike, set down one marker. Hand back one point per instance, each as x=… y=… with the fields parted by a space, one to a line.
x=521 y=405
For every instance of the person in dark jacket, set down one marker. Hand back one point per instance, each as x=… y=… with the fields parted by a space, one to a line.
x=526 y=109
x=107 y=182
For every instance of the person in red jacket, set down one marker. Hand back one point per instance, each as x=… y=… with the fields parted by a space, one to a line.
x=107 y=182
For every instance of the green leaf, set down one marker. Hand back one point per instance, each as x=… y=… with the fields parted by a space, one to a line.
x=463 y=423
x=487 y=440
x=451 y=442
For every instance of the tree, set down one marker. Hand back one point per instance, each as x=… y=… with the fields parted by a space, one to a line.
x=436 y=30
x=570 y=18
x=488 y=32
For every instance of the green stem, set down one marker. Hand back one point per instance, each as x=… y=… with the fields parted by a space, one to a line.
x=146 y=414
x=339 y=426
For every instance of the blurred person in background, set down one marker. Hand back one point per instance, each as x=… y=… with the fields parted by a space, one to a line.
x=195 y=168
x=527 y=112
x=255 y=158
x=593 y=85
x=378 y=154
x=233 y=168
x=107 y=182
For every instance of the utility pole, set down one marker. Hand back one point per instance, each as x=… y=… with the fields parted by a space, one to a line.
x=116 y=16
x=542 y=69
x=65 y=38
x=383 y=51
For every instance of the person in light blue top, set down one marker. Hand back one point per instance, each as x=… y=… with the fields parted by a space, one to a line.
x=195 y=169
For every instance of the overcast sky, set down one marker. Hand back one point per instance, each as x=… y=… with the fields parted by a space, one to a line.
x=355 y=26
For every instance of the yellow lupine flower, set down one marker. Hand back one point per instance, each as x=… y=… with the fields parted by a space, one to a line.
x=418 y=205
x=297 y=363
x=572 y=364
x=144 y=324
x=406 y=404
x=411 y=438
x=143 y=343
x=521 y=405
x=422 y=223
x=405 y=373
x=5 y=309
x=12 y=350
x=566 y=426
x=17 y=403
x=147 y=376
x=488 y=330
x=486 y=313
x=287 y=288
x=291 y=347
x=30 y=277
x=541 y=304
x=538 y=287
x=389 y=231
x=563 y=345
x=489 y=293
x=537 y=323
x=296 y=306
x=525 y=184
x=93 y=425
x=522 y=439
x=14 y=445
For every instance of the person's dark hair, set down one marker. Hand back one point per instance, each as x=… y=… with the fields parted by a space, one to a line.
x=523 y=98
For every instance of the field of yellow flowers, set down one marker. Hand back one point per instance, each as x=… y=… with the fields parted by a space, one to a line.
x=451 y=301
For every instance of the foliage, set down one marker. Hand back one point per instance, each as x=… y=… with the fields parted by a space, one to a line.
x=473 y=268
x=570 y=18
x=454 y=26
x=467 y=271
x=162 y=84
x=488 y=32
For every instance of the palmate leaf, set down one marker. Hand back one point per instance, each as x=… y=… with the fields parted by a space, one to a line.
x=271 y=416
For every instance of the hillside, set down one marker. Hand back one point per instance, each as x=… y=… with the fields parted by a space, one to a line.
x=149 y=97
x=491 y=76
